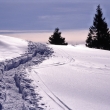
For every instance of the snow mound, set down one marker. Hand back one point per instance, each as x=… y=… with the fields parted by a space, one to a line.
x=11 y=47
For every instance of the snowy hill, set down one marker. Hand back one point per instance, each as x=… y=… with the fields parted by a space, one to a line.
x=35 y=76
x=77 y=77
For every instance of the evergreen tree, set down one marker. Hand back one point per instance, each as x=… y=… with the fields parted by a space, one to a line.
x=99 y=35
x=57 y=39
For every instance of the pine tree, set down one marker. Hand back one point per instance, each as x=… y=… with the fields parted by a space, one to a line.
x=99 y=35
x=56 y=38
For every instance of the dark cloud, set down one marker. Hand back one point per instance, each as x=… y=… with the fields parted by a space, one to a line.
x=49 y=14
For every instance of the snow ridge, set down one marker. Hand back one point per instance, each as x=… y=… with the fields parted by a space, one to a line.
x=15 y=86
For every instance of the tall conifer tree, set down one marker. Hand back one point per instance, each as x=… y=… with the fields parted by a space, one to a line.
x=99 y=35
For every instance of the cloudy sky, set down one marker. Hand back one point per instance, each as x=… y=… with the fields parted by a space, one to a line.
x=22 y=15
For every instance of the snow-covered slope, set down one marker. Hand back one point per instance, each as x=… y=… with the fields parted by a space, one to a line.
x=11 y=47
x=76 y=78
x=72 y=78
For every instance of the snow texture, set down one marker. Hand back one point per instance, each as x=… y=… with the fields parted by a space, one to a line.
x=16 y=89
x=76 y=77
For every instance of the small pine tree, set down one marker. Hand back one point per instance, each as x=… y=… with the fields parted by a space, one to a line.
x=99 y=35
x=57 y=39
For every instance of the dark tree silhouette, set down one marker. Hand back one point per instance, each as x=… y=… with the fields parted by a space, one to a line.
x=56 y=38
x=99 y=35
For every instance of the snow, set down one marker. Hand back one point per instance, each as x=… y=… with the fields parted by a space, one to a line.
x=74 y=77
x=11 y=47
x=78 y=76
x=17 y=90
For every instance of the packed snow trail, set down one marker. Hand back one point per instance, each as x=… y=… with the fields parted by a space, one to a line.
x=16 y=88
x=78 y=76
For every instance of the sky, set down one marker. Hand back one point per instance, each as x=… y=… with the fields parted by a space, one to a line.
x=37 y=15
